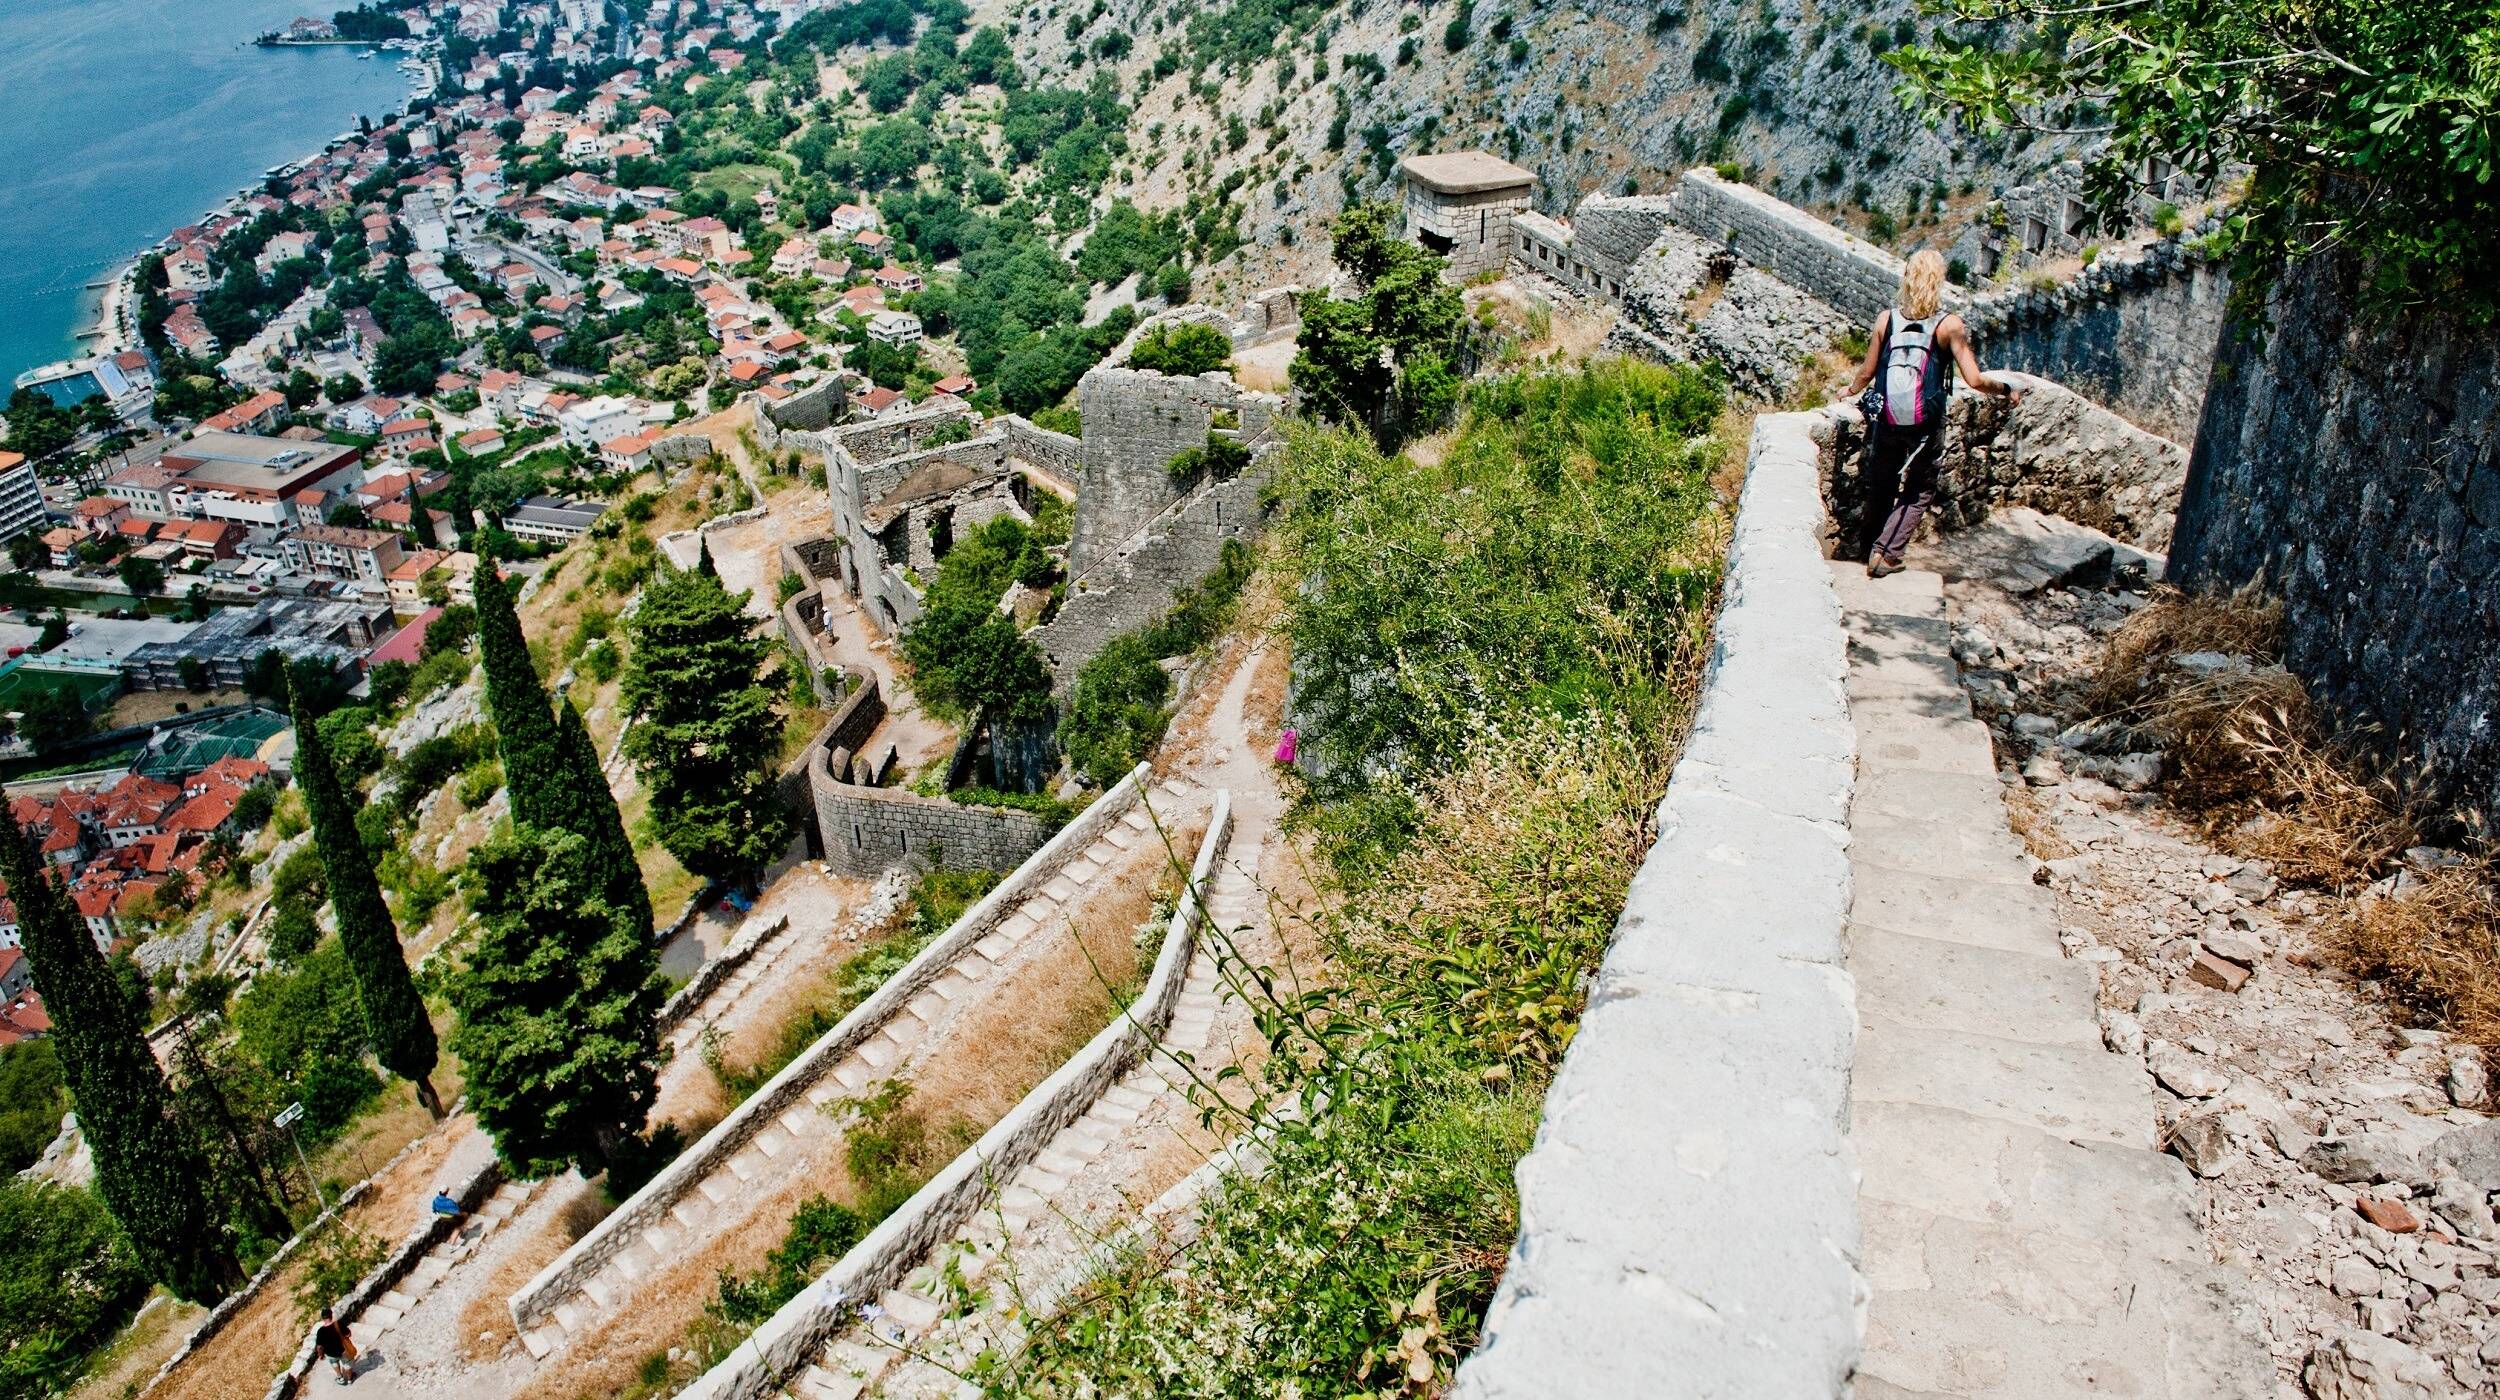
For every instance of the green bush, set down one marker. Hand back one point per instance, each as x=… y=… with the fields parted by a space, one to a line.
x=1115 y=709
x=821 y=1232
x=1185 y=348
x=32 y=1099
x=68 y=1280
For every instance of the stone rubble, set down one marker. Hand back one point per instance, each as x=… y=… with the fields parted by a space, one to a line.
x=2342 y=1154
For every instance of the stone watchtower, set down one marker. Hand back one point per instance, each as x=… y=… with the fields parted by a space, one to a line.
x=1460 y=204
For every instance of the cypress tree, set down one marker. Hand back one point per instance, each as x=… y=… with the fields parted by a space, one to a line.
x=149 y=1169
x=524 y=727
x=592 y=815
x=551 y=768
x=395 y=1019
x=559 y=1006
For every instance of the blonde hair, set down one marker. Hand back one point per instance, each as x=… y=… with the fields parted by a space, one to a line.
x=1922 y=284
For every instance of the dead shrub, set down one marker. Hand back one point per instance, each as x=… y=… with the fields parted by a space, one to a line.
x=2243 y=623
x=2436 y=947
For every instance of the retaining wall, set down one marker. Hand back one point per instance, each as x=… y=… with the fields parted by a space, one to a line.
x=2352 y=465
x=1837 y=268
x=562 y=1278
x=2056 y=452
x=1137 y=586
x=1688 y=1214
x=707 y=979
x=791 y=1339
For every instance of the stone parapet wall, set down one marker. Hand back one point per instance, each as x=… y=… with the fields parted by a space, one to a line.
x=870 y=830
x=1056 y=453
x=2056 y=452
x=611 y=1236
x=1835 y=267
x=812 y=409
x=791 y=1339
x=1689 y=1212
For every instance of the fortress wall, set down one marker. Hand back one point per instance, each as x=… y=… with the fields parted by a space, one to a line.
x=1831 y=265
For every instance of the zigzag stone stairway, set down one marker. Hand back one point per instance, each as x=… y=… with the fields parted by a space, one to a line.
x=1043 y=1232
x=384 y=1313
x=2023 y=1236
x=801 y=1140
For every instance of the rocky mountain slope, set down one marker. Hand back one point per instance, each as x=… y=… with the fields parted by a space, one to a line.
x=1286 y=110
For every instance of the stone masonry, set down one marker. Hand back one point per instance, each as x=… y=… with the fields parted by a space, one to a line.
x=1135 y=422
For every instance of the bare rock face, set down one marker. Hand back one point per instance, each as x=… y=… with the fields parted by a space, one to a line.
x=2471 y=1152
x=2365 y=1366
x=2202 y=1142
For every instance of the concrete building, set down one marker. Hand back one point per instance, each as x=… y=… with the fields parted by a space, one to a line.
x=252 y=480
x=21 y=496
x=1460 y=204
x=334 y=551
x=552 y=519
x=334 y=632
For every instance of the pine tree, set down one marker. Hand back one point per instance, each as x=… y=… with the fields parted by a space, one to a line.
x=709 y=728
x=149 y=1169
x=421 y=522
x=559 y=1005
x=395 y=1017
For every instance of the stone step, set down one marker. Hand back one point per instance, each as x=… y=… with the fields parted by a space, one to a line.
x=719 y=1187
x=817 y=1383
x=1954 y=850
x=1910 y=662
x=1041 y=1179
x=429 y=1271
x=994 y=947
x=1062 y=1158
x=877 y=1053
x=570 y=1315
x=1933 y=984
x=1136 y=819
x=2073 y=1091
x=952 y=983
x=1121 y=837
x=396 y=1301
x=1996 y=1313
x=911 y=1309
x=771 y=1142
x=928 y=1006
x=1061 y=889
x=634 y=1265
x=600 y=1289
x=1903 y=733
x=539 y=1341
x=2019 y=918
x=1910 y=593
x=1977 y=800
x=1082 y=870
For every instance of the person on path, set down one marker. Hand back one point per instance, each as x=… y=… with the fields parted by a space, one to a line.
x=338 y=1348
x=1914 y=348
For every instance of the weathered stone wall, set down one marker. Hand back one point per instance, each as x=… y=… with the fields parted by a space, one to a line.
x=2056 y=452
x=623 y=1226
x=1137 y=585
x=2136 y=330
x=870 y=830
x=1837 y=268
x=2353 y=465
x=1135 y=422
x=790 y=1339
x=812 y=409
x=1688 y=1216
x=1759 y=329
x=1610 y=232
x=1056 y=453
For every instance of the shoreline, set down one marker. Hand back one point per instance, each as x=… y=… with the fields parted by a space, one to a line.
x=111 y=331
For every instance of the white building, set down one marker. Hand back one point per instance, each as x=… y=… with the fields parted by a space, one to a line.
x=21 y=496
x=895 y=328
x=594 y=421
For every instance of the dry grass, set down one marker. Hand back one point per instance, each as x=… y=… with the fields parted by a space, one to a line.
x=486 y=1319
x=147 y=1343
x=2039 y=835
x=2436 y=949
x=2256 y=765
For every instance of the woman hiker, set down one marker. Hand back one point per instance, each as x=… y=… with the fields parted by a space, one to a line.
x=1909 y=348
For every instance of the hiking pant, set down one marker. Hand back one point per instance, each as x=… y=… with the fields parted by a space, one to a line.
x=1897 y=479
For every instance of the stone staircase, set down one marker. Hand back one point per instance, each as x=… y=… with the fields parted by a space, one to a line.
x=1039 y=1237
x=384 y=1313
x=2023 y=1236
x=791 y=1143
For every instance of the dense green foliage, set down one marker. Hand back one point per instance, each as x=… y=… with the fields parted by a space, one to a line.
x=821 y=1232
x=68 y=1277
x=1186 y=348
x=966 y=657
x=1500 y=643
x=33 y=1096
x=559 y=1005
x=707 y=740
x=1387 y=357
x=305 y=1027
x=148 y=1168
x=2370 y=128
x=396 y=1023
